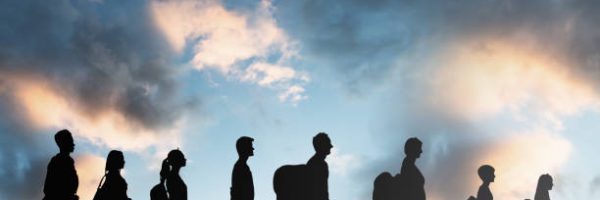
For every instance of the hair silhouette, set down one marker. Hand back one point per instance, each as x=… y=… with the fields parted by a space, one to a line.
x=159 y=192
x=176 y=188
x=242 y=185
x=544 y=185
x=412 y=182
x=61 y=177
x=305 y=182
x=114 y=186
x=486 y=174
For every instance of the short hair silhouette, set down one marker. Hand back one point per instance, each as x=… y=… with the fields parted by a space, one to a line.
x=64 y=140
x=321 y=142
x=413 y=146
x=114 y=160
x=485 y=172
x=544 y=185
x=243 y=145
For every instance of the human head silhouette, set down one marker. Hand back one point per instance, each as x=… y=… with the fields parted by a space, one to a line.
x=413 y=147
x=545 y=182
x=244 y=146
x=64 y=140
x=322 y=144
x=176 y=158
x=114 y=161
x=486 y=173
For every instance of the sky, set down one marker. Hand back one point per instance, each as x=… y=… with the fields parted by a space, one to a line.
x=513 y=84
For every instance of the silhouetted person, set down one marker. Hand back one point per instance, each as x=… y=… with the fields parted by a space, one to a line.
x=242 y=185
x=486 y=173
x=114 y=187
x=159 y=192
x=413 y=182
x=61 y=177
x=318 y=169
x=175 y=186
x=544 y=185
x=383 y=187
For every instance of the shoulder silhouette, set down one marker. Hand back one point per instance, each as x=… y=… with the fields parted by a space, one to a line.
x=176 y=188
x=545 y=184
x=159 y=192
x=61 y=177
x=114 y=186
x=242 y=185
x=412 y=181
x=306 y=182
x=487 y=176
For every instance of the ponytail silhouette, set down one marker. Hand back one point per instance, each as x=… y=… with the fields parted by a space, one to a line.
x=159 y=192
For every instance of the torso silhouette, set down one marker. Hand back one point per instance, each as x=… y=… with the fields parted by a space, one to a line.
x=159 y=192
x=542 y=195
x=176 y=187
x=242 y=186
x=61 y=179
x=318 y=175
x=115 y=187
x=484 y=193
x=413 y=181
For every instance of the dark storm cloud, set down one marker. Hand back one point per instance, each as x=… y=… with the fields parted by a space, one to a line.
x=97 y=55
x=363 y=40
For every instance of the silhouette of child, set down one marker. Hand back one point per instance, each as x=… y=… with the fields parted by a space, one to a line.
x=61 y=177
x=544 y=185
x=486 y=173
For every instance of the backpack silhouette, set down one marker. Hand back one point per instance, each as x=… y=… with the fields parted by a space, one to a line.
x=289 y=182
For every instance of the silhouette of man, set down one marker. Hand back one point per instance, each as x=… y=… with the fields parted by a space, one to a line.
x=61 y=177
x=242 y=186
x=413 y=181
x=318 y=171
x=486 y=173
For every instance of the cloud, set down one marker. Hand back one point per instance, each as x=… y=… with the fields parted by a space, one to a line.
x=102 y=70
x=90 y=169
x=245 y=46
x=489 y=103
x=342 y=164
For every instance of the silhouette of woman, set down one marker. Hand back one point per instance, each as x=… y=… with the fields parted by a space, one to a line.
x=159 y=192
x=413 y=181
x=115 y=186
x=175 y=186
x=544 y=185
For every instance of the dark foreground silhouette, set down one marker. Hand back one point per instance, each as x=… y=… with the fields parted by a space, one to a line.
x=305 y=182
x=486 y=173
x=544 y=185
x=115 y=187
x=61 y=177
x=159 y=192
x=176 y=188
x=242 y=185
x=409 y=183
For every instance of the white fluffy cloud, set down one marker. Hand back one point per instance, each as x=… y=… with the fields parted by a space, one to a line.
x=238 y=45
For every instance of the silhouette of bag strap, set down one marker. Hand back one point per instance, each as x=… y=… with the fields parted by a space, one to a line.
x=99 y=192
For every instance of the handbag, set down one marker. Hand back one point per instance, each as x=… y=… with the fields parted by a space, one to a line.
x=100 y=191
